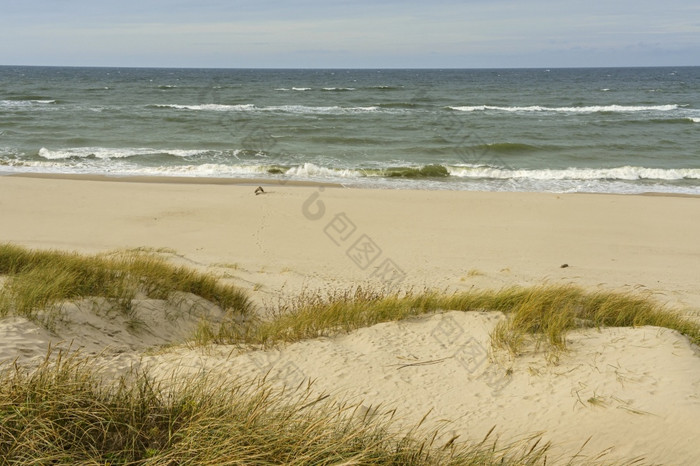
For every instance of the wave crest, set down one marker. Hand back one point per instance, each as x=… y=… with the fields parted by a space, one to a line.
x=296 y=109
x=626 y=173
x=110 y=153
x=26 y=103
x=582 y=109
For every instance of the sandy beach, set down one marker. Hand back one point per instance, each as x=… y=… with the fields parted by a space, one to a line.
x=632 y=392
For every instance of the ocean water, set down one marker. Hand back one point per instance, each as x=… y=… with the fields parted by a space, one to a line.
x=619 y=130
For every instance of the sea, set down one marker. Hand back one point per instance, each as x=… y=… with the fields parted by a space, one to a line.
x=605 y=130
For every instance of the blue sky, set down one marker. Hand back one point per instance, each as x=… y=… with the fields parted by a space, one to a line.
x=350 y=34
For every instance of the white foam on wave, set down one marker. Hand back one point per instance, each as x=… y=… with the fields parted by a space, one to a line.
x=25 y=103
x=626 y=173
x=304 y=109
x=285 y=89
x=694 y=120
x=305 y=171
x=313 y=170
x=583 y=109
x=204 y=170
x=300 y=109
x=111 y=153
x=126 y=169
x=209 y=107
x=478 y=178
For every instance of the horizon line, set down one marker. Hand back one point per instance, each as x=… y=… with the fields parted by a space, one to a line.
x=359 y=68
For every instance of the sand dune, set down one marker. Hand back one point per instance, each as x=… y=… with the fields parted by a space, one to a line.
x=632 y=391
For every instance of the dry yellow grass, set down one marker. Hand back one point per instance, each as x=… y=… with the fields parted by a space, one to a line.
x=37 y=282
x=64 y=413
x=546 y=313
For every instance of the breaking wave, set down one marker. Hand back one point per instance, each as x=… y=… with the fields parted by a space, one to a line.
x=297 y=109
x=111 y=153
x=626 y=173
x=582 y=109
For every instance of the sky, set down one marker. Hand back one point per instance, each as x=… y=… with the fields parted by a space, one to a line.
x=350 y=34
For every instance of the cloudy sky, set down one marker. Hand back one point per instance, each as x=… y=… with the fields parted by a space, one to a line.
x=350 y=34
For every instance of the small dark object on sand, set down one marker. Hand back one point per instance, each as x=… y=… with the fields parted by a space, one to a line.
x=259 y=190
x=563 y=266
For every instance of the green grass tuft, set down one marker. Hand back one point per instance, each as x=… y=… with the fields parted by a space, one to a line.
x=63 y=413
x=546 y=312
x=549 y=312
x=39 y=281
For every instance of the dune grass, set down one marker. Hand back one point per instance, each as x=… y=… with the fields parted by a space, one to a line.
x=545 y=313
x=62 y=413
x=550 y=312
x=37 y=282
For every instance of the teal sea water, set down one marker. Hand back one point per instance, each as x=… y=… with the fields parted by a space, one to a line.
x=620 y=130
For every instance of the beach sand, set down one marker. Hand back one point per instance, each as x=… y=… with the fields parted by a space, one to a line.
x=635 y=391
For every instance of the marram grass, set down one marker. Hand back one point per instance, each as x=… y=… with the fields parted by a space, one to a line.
x=545 y=312
x=37 y=282
x=549 y=312
x=63 y=413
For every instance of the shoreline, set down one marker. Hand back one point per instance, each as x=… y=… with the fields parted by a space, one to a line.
x=300 y=183
x=173 y=179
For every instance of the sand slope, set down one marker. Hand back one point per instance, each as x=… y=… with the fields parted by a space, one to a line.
x=628 y=392
x=94 y=327
x=633 y=392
